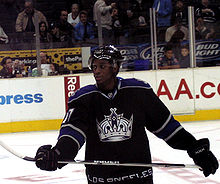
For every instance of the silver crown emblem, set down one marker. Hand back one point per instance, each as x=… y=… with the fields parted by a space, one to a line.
x=115 y=127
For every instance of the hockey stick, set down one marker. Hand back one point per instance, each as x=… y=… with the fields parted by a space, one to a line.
x=9 y=149
x=106 y=163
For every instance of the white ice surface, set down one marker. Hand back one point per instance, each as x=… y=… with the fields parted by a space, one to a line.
x=17 y=171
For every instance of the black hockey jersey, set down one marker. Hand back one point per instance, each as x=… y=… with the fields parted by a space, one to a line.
x=113 y=127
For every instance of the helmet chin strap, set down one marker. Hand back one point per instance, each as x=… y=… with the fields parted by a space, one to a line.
x=114 y=65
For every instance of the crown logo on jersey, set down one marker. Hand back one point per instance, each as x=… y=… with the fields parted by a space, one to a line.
x=115 y=127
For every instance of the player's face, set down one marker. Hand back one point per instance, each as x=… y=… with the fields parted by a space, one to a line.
x=104 y=73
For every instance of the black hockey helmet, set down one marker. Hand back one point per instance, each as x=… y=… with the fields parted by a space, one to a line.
x=108 y=53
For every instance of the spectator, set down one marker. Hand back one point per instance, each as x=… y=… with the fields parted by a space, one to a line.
x=65 y=28
x=144 y=8
x=132 y=24
x=177 y=26
x=54 y=69
x=45 y=65
x=43 y=31
x=84 y=30
x=3 y=36
x=116 y=25
x=54 y=32
x=168 y=61
x=136 y=8
x=175 y=43
x=128 y=9
x=163 y=10
x=73 y=17
x=19 y=70
x=131 y=20
x=184 y=59
x=43 y=58
x=201 y=31
x=180 y=11
x=115 y=18
x=87 y=5
x=133 y=15
x=141 y=21
x=7 y=70
x=25 y=21
x=208 y=11
x=101 y=8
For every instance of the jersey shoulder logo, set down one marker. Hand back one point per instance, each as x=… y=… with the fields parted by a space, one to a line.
x=115 y=127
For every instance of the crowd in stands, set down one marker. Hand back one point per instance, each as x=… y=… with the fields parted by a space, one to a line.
x=121 y=18
x=16 y=68
x=122 y=22
x=11 y=69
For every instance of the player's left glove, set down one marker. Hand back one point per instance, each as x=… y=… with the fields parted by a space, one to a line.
x=203 y=157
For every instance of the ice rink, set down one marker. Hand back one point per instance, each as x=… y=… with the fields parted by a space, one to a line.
x=17 y=171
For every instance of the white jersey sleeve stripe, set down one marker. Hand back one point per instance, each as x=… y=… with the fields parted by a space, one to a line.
x=177 y=130
x=74 y=128
x=164 y=125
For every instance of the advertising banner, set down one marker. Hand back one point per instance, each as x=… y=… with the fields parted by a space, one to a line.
x=176 y=89
x=31 y=99
x=207 y=88
x=70 y=58
x=183 y=91
x=71 y=84
x=207 y=52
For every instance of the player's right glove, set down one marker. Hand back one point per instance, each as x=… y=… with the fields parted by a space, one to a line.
x=46 y=158
x=203 y=157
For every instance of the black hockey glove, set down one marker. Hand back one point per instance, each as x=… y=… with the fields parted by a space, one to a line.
x=203 y=157
x=46 y=158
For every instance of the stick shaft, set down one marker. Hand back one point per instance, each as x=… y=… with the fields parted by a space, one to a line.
x=99 y=163
x=167 y=165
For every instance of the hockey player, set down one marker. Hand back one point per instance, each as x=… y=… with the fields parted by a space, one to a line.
x=111 y=117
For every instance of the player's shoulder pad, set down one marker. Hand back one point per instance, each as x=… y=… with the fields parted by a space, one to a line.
x=134 y=83
x=82 y=92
